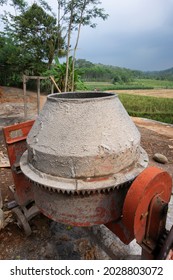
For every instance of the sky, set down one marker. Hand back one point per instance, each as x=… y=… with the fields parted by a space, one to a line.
x=138 y=34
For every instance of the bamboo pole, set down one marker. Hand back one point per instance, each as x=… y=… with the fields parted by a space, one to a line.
x=25 y=97
x=52 y=79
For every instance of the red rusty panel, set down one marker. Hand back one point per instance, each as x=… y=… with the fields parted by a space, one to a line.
x=17 y=132
x=15 y=138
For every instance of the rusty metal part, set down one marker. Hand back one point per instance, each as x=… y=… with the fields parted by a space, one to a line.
x=81 y=209
x=144 y=211
x=119 y=229
x=150 y=183
x=145 y=208
x=15 y=138
x=21 y=221
x=23 y=215
x=155 y=227
x=11 y=204
x=166 y=251
x=84 y=191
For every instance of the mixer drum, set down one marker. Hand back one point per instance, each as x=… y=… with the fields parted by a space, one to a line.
x=81 y=143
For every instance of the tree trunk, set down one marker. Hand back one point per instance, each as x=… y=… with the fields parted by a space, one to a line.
x=68 y=46
x=76 y=45
x=74 y=56
x=59 y=15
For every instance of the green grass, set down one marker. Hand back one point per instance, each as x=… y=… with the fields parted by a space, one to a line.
x=102 y=86
x=154 y=83
x=137 y=84
x=159 y=109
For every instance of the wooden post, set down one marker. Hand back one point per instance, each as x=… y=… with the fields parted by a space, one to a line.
x=52 y=88
x=25 y=97
x=38 y=78
x=38 y=95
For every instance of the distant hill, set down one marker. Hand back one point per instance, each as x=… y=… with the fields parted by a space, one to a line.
x=100 y=72
x=163 y=74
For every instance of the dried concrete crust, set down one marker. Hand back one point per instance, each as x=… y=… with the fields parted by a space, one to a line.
x=84 y=135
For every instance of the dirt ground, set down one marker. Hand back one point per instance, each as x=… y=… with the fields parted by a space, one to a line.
x=50 y=240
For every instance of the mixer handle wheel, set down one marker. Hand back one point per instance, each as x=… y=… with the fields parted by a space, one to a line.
x=152 y=184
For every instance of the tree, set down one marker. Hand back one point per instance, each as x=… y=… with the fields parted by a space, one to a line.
x=83 y=63
x=71 y=8
x=9 y=67
x=18 y=5
x=88 y=10
x=58 y=71
x=40 y=36
x=35 y=33
x=72 y=15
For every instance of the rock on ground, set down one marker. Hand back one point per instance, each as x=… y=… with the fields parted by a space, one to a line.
x=160 y=158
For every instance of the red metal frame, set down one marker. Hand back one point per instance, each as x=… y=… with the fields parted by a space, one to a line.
x=15 y=138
